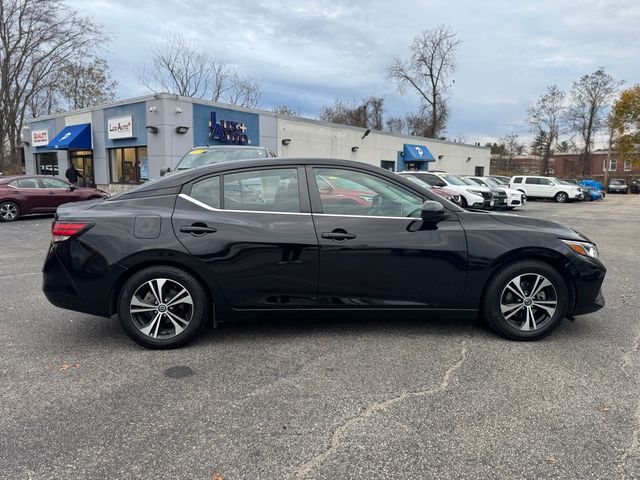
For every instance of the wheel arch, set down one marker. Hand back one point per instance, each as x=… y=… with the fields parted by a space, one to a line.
x=546 y=255
x=212 y=290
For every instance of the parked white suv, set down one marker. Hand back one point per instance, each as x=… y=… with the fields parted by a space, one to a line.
x=470 y=196
x=545 y=187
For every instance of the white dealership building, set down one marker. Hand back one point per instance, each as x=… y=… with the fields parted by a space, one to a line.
x=127 y=142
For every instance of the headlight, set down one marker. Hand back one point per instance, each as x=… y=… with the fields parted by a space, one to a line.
x=476 y=192
x=583 y=248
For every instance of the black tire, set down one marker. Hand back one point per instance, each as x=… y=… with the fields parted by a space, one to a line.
x=9 y=211
x=191 y=310
x=511 y=208
x=561 y=197
x=463 y=202
x=497 y=293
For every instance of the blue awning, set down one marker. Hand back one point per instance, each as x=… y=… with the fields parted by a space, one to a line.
x=417 y=153
x=73 y=136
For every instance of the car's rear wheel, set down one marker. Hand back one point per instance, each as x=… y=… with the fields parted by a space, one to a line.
x=562 y=197
x=9 y=211
x=162 y=307
x=525 y=300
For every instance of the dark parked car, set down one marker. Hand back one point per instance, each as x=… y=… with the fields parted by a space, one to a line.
x=171 y=254
x=24 y=195
x=635 y=186
x=618 y=185
x=202 y=156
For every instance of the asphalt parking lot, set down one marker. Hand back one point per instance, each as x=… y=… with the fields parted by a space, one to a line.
x=325 y=398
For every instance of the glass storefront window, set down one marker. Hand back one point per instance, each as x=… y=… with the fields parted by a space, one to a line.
x=47 y=163
x=129 y=165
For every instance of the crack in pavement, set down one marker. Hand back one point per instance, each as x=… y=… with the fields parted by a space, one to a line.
x=384 y=405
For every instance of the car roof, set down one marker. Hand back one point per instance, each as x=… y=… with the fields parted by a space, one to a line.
x=7 y=179
x=228 y=147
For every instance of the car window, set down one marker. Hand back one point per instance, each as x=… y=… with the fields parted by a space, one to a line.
x=207 y=191
x=428 y=178
x=28 y=183
x=532 y=181
x=453 y=180
x=517 y=180
x=545 y=181
x=200 y=157
x=53 y=183
x=374 y=196
x=273 y=190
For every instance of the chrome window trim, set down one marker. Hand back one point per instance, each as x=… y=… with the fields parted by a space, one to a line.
x=223 y=210
x=364 y=216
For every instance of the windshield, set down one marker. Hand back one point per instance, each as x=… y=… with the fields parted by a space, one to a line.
x=453 y=180
x=617 y=182
x=492 y=182
x=500 y=180
x=200 y=157
x=472 y=181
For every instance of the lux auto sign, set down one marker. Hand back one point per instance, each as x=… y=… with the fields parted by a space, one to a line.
x=227 y=131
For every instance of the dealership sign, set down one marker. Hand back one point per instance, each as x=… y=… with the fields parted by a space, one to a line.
x=39 y=138
x=226 y=131
x=120 y=127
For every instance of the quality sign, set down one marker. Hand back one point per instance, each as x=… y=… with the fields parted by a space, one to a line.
x=39 y=138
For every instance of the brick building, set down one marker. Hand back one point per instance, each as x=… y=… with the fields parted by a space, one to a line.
x=567 y=165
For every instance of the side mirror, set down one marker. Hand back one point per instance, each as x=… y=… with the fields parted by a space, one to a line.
x=432 y=211
x=164 y=171
x=71 y=188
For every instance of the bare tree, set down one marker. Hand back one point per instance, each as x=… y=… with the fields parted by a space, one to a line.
x=84 y=82
x=512 y=147
x=367 y=114
x=427 y=71
x=37 y=37
x=585 y=116
x=181 y=66
x=396 y=125
x=545 y=121
x=245 y=91
x=285 y=110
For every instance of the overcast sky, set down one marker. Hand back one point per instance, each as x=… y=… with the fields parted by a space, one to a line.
x=306 y=53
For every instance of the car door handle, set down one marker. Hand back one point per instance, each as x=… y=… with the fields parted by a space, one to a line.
x=338 y=235
x=198 y=229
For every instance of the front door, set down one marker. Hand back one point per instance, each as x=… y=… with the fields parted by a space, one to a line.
x=83 y=161
x=254 y=232
x=375 y=251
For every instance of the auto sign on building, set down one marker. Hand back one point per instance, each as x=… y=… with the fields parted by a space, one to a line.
x=39 y=138
x=120 y=127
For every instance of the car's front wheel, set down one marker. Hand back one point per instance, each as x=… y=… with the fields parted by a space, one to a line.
x=162 y=307
x=562 y=197
x=9 y=211
x=525 y=300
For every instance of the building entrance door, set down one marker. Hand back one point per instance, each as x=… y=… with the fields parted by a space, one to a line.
x=83 y=161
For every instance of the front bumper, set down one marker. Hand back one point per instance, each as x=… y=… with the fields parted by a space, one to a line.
x=588 y=275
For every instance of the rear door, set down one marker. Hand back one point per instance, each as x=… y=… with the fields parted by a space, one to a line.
x=377 y=252
x=532 y=186
x=253 y=230
x=29 y=195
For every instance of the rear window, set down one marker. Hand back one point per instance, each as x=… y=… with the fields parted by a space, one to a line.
x=517 y=180
x=617 y=182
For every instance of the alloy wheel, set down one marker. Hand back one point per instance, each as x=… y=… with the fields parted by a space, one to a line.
x=529 y=301
x=8 y=211
x=161 y=308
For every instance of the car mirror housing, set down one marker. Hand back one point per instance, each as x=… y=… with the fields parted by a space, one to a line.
x=432 y=211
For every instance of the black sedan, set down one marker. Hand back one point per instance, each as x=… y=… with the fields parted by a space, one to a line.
x=206 y=245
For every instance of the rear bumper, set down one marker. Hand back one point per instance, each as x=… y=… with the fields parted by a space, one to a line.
x=75 y=277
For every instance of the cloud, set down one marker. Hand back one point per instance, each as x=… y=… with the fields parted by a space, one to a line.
x=307 y=53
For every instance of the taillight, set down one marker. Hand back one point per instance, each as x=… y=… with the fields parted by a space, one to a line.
x=62 y=231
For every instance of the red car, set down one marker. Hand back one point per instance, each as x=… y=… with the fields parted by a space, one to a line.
x=24 y=195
